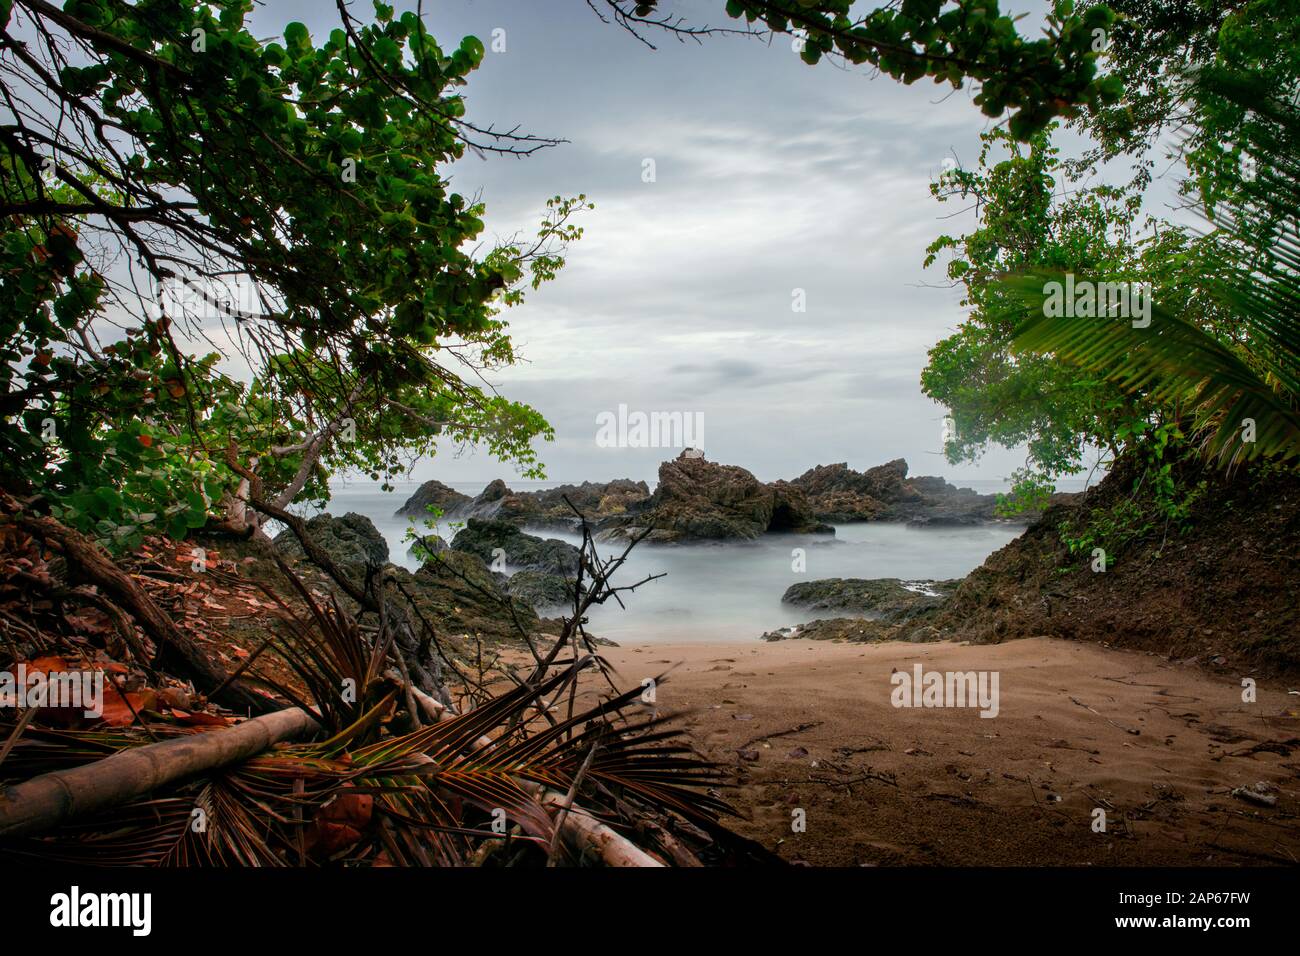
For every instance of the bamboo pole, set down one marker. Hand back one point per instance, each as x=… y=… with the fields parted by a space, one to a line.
x=52 y=798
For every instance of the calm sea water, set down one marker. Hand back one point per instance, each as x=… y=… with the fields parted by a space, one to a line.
x=730 y=591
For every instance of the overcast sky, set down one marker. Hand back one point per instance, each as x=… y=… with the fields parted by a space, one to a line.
x=771 y=176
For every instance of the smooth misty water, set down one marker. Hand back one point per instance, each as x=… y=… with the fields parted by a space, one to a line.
x=726 y=591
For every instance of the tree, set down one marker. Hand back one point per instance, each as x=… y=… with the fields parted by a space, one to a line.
x=1031 y=223
x=1242 y=388
x=949 y=41
x=168 y=181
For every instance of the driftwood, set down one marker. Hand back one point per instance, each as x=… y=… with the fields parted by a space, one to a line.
x=52 y=798
x=88 y=562
x=579 y=830
x=584 y=834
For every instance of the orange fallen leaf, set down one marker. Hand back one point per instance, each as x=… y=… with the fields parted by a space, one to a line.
x=199 y=719
x=117 y=713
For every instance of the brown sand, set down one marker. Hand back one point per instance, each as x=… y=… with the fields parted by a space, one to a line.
x=1159 y=745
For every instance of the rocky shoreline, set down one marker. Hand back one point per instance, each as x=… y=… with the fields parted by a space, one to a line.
x=494 y=572
x=700 y=500
x=492 y=580
x=494 y=576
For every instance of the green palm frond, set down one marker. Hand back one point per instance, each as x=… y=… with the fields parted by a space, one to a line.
x=1172 y=362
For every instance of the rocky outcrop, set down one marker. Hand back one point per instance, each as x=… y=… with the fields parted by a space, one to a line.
x=433 y=494
x=352 y=541
x=1221 y=589
x=885 y=493
x=700 y=499
x=854 y=630
x=498 y=502
x=456 y=590
x=885 y=599
x=595 y=499
x=524 y=552
x=940 y=504
x=538 y=589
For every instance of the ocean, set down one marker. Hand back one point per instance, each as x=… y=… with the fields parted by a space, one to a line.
x=715 y=591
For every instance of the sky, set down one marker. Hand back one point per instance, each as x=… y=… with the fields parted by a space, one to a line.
x=770 y=177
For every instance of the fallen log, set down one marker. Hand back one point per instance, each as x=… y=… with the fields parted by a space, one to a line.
x=46 y=801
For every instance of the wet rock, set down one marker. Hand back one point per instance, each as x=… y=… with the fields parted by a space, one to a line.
x=456 y=590
x=352 y=541
x=525 y=552
x=539 y=589
x=433 y=494
x=848 y=629
x=887 y=599
x=885 y=493
x=595 y=499
x=697 y=499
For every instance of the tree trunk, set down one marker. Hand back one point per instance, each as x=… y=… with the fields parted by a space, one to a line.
x=46 y=801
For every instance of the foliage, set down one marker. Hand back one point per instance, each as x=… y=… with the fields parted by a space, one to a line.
x=1030 y=493
x=1154 y=43
x=161 y=156
x=1167 y=484
x=1026 y=223
x=949 y=42
x=1242 y=389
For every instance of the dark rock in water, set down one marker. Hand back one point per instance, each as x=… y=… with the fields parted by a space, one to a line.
x=838 y=493
x=947 y=520
x=436 y=494
x=429 y=544
x=888 y=482
x=855 y=630
x=885 y=493
x=792 y=512
x=538 y=589
x=596 y=500
x=700 y=499
x=939 y=504
x=885 y=599
x=352 y=541
x=523 y=551
x=498 y=502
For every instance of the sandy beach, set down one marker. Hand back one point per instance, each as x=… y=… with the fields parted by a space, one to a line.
x=1159 y=746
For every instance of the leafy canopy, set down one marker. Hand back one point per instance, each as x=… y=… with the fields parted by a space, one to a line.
x=158 y=154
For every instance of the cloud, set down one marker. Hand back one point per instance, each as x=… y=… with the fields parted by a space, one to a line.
x=770 y=177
